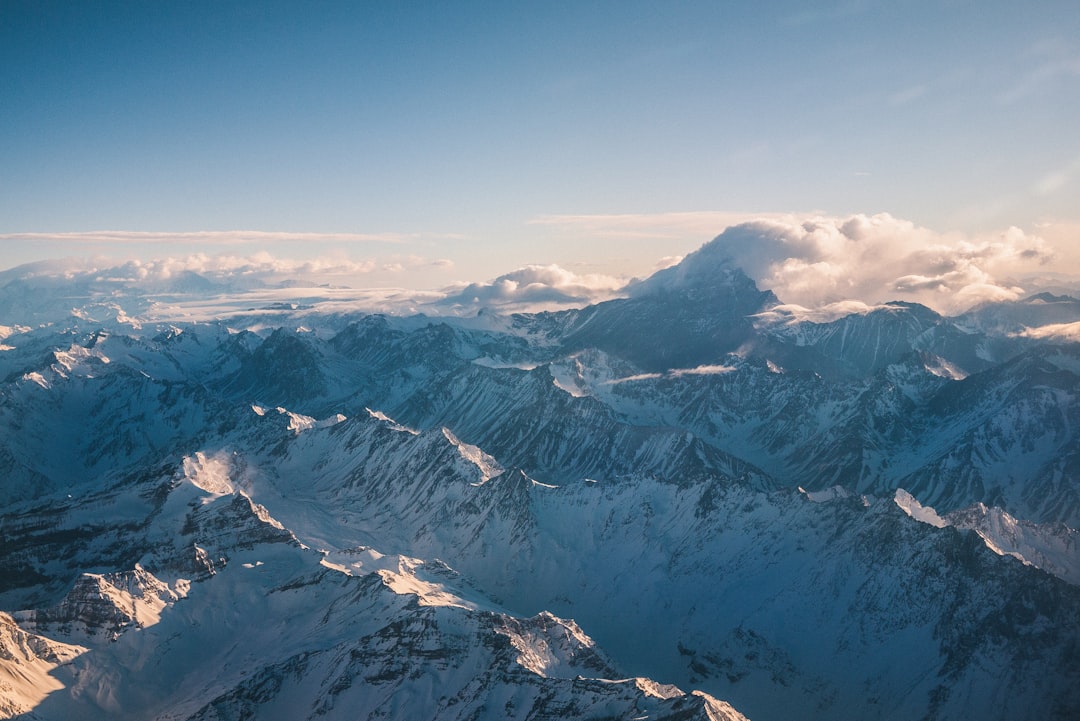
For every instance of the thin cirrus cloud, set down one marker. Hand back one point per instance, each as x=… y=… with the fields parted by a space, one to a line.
x=210 y=237
x=1052 y=62
x=703 y=223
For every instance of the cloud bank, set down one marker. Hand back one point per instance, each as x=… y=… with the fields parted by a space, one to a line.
x=820 y=267
x=238 y=271
x=534 y=285
x=874 y=259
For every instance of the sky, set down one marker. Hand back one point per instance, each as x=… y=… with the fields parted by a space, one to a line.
x=427 y=144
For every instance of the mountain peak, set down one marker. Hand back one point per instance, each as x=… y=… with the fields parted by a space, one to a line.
x=707 y=271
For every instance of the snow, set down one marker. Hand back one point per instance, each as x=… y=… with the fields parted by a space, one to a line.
x=426 y=592
x=921 y=513
x=944 y=369
x=209 y=473
x=35 y=377
x=487 y=362
x=1050 y=547
x=824 y=496
x=380 y=416
x=27 y=662
x=633 y=378
x=488 y=466
x=569 y=377
x=673 y=562
x=702 y=370
x=1054 y=548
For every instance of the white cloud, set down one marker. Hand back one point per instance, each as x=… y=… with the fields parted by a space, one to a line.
x=536 y=284
x=822 y=267
x=262 y=266
x=1055 y=331
x=790 y=313
x=874 y=259
x=399 y=264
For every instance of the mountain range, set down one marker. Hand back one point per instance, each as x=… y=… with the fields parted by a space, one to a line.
x=690 y=502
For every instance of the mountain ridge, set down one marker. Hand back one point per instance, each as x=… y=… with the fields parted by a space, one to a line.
x=305 y=512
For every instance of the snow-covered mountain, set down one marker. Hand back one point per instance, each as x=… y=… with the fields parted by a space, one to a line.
x=299 y=510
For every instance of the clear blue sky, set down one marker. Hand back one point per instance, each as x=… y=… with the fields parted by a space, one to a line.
x=449 y=129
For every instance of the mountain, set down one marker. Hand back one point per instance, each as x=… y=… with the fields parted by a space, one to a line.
x=688 y=503
x=692 y=314
x=1034 y=311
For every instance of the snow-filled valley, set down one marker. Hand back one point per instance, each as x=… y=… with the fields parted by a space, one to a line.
x=687 y=503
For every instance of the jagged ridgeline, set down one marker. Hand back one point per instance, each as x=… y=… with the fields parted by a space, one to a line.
x=687 y=503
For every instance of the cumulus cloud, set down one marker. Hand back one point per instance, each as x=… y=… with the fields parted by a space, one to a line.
x=261 y=266
x=820 y=261
x=258 y=269
x=536 y=284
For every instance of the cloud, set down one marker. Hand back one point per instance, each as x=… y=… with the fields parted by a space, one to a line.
x=399 y=264
x=1054 y=63
x=255 y=268
x=214 y=237
x=791 y=313
x=647 y=225
x=874 y=259
x=1056 y=331
x=536 y=284
x=907 y=95
x=261 y=265
x=668 y=261
x=1057 y=178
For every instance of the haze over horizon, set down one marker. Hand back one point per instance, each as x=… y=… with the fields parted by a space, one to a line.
x=922 y=151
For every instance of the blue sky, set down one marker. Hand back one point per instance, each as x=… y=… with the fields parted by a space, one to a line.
x=458 y=140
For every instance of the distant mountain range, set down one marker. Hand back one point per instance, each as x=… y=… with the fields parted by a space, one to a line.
x=294 y=510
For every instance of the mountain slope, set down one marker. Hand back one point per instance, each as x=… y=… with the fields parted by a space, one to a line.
x=297 y=511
